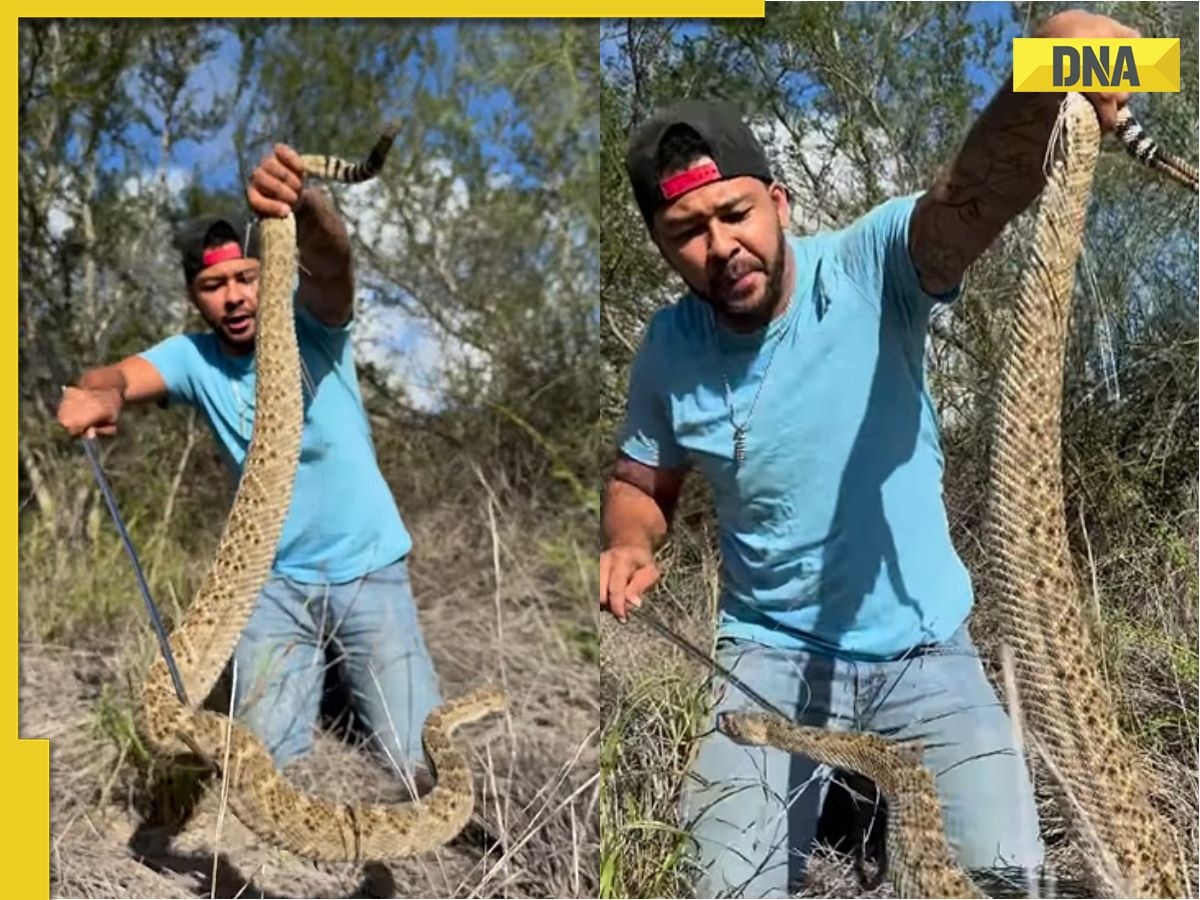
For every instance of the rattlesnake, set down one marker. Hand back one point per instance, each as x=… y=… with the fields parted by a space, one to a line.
x=259 y=795
x=1069 y=710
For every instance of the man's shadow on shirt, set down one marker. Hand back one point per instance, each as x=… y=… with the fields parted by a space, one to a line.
x=860 y=550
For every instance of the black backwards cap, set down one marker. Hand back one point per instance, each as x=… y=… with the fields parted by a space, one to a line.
x=208 y=240
x=734 y=150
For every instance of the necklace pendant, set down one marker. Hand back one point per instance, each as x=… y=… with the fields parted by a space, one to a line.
x=739 y=445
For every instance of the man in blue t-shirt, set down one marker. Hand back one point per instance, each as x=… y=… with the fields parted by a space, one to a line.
x=791 y=377
x=339 y=577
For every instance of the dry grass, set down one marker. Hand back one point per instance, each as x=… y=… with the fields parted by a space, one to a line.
x=655 y=708
x=498 y=590
x=655 y=705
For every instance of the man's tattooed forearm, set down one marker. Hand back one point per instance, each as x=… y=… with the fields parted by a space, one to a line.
x=997 y=174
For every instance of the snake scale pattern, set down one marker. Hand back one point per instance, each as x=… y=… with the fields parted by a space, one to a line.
x=258 y=794
x=1068 y=708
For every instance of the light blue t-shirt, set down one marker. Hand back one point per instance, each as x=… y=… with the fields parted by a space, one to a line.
x=833 y=531
x=343 y=522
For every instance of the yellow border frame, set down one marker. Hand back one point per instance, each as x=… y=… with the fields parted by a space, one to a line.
x=26 y=763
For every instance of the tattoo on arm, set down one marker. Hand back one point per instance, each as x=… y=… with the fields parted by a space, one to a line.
x=326 y=276
x=663 y=486
x=321 y=234
x=996 y=175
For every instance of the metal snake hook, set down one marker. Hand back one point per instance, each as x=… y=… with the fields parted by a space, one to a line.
x=89 y=447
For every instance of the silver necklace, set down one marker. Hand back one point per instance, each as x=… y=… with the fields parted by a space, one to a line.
x=243 y=407
x=739 y=431
x=244 y=411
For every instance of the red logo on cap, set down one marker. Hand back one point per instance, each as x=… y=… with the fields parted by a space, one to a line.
x=689 y=180
x=220 y=254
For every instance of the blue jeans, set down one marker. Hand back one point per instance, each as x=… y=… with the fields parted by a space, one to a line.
x=371 y=623
x=753 y=811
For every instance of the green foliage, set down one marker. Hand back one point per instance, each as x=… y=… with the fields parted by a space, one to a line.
x=860 y=102
x=643 y=755
x=475 y=254
x=480 y=237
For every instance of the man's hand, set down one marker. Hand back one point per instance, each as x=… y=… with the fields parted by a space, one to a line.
x=277 y=183
x=93 y=407
x=1076 y=23
x=90 y=411
x=998 y=172
x=638 y=506
x=276 y=188
x=626 y=572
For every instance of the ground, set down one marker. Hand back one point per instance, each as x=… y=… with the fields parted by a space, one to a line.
x=535 y=830
x=656 y=701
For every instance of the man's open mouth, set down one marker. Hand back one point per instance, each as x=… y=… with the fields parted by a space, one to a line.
x=238 y=324
x=739 y=282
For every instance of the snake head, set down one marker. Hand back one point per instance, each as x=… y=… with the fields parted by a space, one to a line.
x=745 y=728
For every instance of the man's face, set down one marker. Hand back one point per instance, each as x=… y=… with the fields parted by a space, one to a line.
x=726 y=240
x=226 y=294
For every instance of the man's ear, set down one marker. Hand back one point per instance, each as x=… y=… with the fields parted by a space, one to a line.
x=782 y=202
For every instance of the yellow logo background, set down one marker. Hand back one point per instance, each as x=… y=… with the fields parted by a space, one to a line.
x=1155 y=59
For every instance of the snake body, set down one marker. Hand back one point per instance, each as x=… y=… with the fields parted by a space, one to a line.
x=919 y=859
x=1066 y=703
x=202 y=644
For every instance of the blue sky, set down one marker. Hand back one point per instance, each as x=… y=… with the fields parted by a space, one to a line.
x=992 y=13
x=406 y=342
x=213 y=158
x=981 y=13
x=209 y=80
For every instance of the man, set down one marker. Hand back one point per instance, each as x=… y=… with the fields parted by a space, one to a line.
x=791 y=376
x=340 y=571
